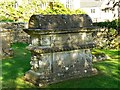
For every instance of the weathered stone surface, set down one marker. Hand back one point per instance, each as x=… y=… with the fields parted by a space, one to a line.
x=10 y=33
x=16 y=31
x=100 y=57
x=5 y=40
x=106 y=38
x=60 y=47
x=59 y=21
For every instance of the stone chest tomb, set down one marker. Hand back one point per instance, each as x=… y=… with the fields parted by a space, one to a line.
x=60 y=48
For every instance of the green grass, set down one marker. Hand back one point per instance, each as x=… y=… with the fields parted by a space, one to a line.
x=13 y=70
x=108 y=74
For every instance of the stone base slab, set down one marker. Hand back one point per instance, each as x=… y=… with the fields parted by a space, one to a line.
x=41 y=80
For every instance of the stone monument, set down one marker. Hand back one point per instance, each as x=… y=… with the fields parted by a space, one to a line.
x=60 y=48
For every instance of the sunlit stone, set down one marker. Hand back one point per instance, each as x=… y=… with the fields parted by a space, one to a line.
x=66 y=68
x=35 y=58
x=40 y=63
x=59 y=62
x=35 y=41
x=85 y=71
x=74 y=55
x=83 y=36
x=60 y=48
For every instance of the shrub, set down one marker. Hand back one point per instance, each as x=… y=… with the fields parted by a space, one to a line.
x=9 y=11
x=115 y=24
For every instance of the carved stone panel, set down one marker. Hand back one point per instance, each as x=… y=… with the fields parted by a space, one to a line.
x=41 y=63
x=35 y=41
x=45 y=40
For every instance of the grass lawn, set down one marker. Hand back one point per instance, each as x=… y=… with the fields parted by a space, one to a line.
x=13 y=70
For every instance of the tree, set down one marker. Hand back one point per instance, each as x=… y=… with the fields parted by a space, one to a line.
x=115 y=3
x=13 y=11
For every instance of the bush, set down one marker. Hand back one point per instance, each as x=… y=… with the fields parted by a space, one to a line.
x=115 y=24
x=20 y=13
x=23 y=12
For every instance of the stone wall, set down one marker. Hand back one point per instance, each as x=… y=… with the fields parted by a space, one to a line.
x=5 y=40
x=11 y=33
x=16 y=31
x=106 y=38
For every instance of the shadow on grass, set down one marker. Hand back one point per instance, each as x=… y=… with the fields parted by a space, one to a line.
x=98 y=81
x=108 y=74
x=15 y=67
x=112 y=52
x=108 y=77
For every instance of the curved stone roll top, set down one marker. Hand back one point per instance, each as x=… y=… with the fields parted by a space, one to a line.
x=59 y=21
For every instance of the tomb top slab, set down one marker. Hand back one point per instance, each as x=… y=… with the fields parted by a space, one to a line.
x=59 y=22
x=60 y=31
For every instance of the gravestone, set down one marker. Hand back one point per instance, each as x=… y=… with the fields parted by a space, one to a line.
x=60 y=48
